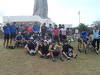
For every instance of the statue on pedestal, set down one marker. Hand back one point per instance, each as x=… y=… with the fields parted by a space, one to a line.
x=41 y=8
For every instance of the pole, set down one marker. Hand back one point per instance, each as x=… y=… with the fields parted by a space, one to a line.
x=79 y=17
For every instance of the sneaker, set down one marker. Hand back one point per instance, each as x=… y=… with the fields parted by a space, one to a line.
x=41 y=56
x=46 y=57
x=97 y=52
x=62 y=59
x=75 y=56
x=53 y=59
x=68 y=58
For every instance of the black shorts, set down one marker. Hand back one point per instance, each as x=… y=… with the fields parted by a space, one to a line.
x=31 y=48
x=12 y=36
x=56 y=52
x=64 y=37
x=56 y=38
x=6 y=36
x=45 y=52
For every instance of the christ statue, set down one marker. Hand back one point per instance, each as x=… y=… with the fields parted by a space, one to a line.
x=41 y=8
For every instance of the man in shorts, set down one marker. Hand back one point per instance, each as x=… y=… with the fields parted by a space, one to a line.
x=31 y=47
x=43 y=50
x=13 y=30
x=63 y=33
x=56 y=32
x=68 y=50
x=55 y=51
x=6 y=30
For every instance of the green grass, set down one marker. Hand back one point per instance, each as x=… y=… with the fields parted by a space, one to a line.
x=17 y=62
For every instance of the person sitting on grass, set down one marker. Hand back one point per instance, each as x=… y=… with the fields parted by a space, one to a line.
x=82 y=42
x=43 y=49
x=31 y=47
x=68 y=50
x=19 y=39
x=26 y=36
x=55 y=51
x=49 y=41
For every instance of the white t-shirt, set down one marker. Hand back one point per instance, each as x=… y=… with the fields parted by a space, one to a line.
x=63 y=31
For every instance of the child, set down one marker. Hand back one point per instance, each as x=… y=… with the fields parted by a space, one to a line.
x=43 y=49
x=55 y=51
x=19 y=39
x=30 y=47
x=68 y=51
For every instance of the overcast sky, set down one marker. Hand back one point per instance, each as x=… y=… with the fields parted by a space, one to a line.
x=60 y=11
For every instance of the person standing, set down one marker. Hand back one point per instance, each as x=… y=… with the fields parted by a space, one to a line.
x=13 y=31
x=56 y=32
x=60 y=34
x=43 y=30
x=29 y=29
x=36 y=28
x=96 y=39
x=50 y=28
x=6 y=30
x=21 y=28
x=63 y=33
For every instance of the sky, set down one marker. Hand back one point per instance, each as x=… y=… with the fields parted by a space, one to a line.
x=60 y=11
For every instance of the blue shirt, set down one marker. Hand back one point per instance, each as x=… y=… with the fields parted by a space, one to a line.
x=84 y=34
x=13 y=29
x=35 y=37
x=27 y=37
x=36 y=28
x=6 y=29
x=19 y=37
x=96 y=34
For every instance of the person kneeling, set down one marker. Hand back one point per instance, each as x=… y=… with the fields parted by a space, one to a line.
x=68 y=51
x=44 y=50
x=30 y=47
x=19 y=40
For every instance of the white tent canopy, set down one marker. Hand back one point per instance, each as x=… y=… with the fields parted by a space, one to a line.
x=47 y=21
x=21 y=18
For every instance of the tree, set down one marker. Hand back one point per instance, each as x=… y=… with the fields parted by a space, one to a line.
x=97 y=24
x=83 y=27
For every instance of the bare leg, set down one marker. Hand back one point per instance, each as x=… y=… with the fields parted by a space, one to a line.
x=7 y=42
x=74 y=53
x=10 y=42
x=40 y=53
x=53 y=59
x=60 y=55
x=4 y=43
x=66 y=55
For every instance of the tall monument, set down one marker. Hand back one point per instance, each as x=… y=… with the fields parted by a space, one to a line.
x=41 y=8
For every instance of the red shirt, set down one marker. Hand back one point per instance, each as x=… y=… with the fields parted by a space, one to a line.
x=56 y=31
x=29 y=29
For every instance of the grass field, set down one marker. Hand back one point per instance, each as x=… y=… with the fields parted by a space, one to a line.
x=17 y=62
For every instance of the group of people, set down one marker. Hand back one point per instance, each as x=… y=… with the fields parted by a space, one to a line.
x=48 y=42
x=87 y=40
